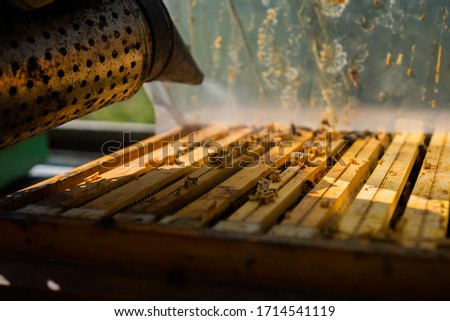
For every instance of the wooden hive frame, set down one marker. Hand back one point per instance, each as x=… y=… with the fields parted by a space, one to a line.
x=193 y=231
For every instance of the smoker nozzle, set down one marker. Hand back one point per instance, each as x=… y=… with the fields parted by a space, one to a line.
x=173 y=61
x=68 y=59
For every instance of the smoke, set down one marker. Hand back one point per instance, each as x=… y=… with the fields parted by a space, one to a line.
x=214 y=103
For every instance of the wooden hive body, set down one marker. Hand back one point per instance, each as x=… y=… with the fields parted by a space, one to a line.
x=364 y=220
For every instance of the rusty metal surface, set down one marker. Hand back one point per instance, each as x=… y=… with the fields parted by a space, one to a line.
x=68 y=59
x=55 y=70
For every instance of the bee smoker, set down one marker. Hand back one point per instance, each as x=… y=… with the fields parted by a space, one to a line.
x=70 y=58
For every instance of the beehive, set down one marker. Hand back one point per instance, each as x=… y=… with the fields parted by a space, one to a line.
x=241 y=212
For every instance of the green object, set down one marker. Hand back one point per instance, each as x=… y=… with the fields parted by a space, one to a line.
x=17 y=160
x=137 y=109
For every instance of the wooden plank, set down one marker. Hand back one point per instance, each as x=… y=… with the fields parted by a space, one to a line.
x=436 y=220
x=211 y=204
x=384 y=202
x=233 y=259
x=250 y=206
x=103 y=182
x=173 y=198
x=345 y=188
x=262 y=217
x=66 y=180
x=154 y=205
x=350 y=220
x=121 y=197
x=82 y=282
x=339 y=194
x=243 y=220
x=295 y=216
x=410 y=226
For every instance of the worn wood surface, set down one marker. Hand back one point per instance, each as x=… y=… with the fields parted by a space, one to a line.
x=255 y=217
x=216 y=170
x=211 y=204
x=424 y=222
x=374 y=206
x=335 y=192
x=250 y=206
x=194 y=223
x=178 y=195
x=69 y=179
x=121 y=197
x=239 y=259
x=110 y=176
x=313 y=198
x=349 y=222
x=345 y=187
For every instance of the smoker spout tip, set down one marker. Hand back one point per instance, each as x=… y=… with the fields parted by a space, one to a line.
x=173 y=61
x=197 y=78
x=182 y=67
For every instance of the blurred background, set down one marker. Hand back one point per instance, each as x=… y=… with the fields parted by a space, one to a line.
x=359 y=64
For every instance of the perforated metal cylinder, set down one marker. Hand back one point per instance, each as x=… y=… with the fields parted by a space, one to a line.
x=70 y=59
x=55 y=70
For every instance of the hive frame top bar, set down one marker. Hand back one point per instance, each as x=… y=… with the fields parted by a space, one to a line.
x=252 y=206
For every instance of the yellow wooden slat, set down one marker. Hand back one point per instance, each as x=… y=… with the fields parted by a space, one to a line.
x=245 y=210
x=350 y=220
x=175 y=196
x=125 y=195
x=339 y=194
x=103 y=182
x=265 y=215
x=206 y=208
x=344 y=189
x=384 y=202
x=436 y=220
x=161 y=203
x=313 y=197
x=409 y=227
x=77 y=175
x=149 y=205
x=251 y=206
